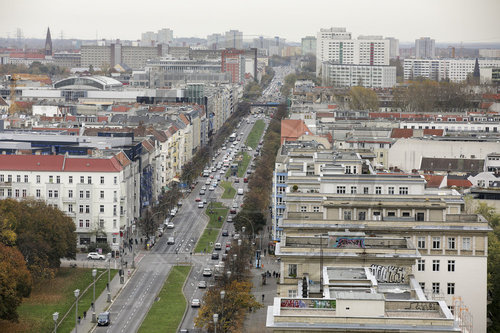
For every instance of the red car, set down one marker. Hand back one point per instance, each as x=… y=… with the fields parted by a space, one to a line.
x=197 y=199
x=245 y=180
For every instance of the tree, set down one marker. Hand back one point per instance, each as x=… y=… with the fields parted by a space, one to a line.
x=148 y=224
x=15 y=281
x=363 y=99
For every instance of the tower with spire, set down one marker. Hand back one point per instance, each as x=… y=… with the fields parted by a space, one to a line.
x=48 y=44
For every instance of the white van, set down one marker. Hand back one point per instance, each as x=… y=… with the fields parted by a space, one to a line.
x=170 y=240
x=240 y=191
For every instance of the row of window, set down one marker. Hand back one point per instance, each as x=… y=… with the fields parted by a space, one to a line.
x=436 y=287
x=50 y=194
x=51 y=179
x=435 y=265
x=85 y=209
x=402 y=190
x=86 y=224
x=451 y=242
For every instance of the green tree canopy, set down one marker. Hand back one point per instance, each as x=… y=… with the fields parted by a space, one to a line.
x=363 y=99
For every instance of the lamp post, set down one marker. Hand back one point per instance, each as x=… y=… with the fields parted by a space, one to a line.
x=77 y=293
x=109 y=277
x=222 y=295
x=216 y=318
x=94 y=274
x=55 y=316
x=235 y=256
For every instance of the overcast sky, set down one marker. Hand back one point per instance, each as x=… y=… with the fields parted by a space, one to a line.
x=443 y=20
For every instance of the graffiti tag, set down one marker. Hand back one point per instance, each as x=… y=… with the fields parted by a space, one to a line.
x=389 y=274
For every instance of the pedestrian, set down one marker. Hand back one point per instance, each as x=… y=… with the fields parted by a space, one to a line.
x=126 y=264
x=262 y=298
x=80 y=319
x=84 y=314
x=264 y=252
x=92 y=306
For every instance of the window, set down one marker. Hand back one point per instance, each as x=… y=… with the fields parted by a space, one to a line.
x=18 y=178
x=9 y=192
x=365 y=190
x=9 y=178
x=24 y=193
x=391 y=214
x=390 y=190
x=362 y=216
x=101 y=223
x=340 y=189
x=121 y=210
x=348 y=169
x=102 y=195
x=420 y=217
x=81 y=194
x=70 y=208
x=316 y=209
x=2 y=179
x=56 y=194
x=58 y=179
x=89 y=180
x=436 y=242
x=303 y=209
x=450 y=288
x=354 y=189
x=421 y=265
x=435 y=287
x=102 y=179
x=101 y=208
x=451 y=265
x=378 y=189
x=114 y=223
x=466 y=243
x=80 y=209
x=347 y=215
x=421 y=242
x=354 y=169
x=292 y=270
x=115 y=180
x=70 y=179
x=435 y=265
x=406 y=214
x=403 y=190
x=80 y=223
x=51 y=179
x=114 y=210
x=26 y=178
x=70 y=193
x=82 y=179
x=87 y=209
x=422 y=285
x=451 y=243
x=292 y=293
x=50 y=194
x=38 y=193
x=87 y=194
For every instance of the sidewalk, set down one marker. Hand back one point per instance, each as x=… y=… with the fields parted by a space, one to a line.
x=101 y=303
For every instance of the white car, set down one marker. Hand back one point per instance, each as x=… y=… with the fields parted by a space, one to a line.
x=170 y=225
x=195 y=303
x=95 y=256
x=207 y=182
x=211 y=188
x=202 y=284
x=204 y=188
x=200 y=204
x=207 y=272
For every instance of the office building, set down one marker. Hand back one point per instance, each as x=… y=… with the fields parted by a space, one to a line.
x=165 y=36
x=425 y=48
x=215 y=41
x=308 y=45
x=134 y=57
x=233 y=39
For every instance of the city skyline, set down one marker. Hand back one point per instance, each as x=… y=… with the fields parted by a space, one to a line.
x=444 y=21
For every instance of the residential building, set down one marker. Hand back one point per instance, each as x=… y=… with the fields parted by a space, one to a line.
x=340 y=75
x=215 y=41
x=233 y=39
x=67 y=59
x=308 y=45
x=393 y=47
x=489 y=53
x=425 y=48
x=233 y=61
x=103 y=56
x=165 y=36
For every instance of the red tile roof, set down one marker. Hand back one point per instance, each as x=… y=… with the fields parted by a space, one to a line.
x=147 y=145
x=28 y=55
x=292 y=129
x=58 y=163
x=123 y=159
x=325 y=115
x=57 y=129
x=184 y=118
x=332 y=106
x=436 y=132
x=433 y=180
x=399 y=133
x=120 y=108
x=464 y=183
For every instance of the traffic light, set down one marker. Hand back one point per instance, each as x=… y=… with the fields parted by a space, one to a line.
x=304 y=287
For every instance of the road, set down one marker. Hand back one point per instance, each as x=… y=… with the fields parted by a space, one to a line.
x=129 y=309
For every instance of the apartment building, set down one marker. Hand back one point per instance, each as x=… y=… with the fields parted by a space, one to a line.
x=336 y=45
x=308 y=45
x=347 y=76
x=425 y=48
x=134 y=57
x=233 y=39
x=101 y=195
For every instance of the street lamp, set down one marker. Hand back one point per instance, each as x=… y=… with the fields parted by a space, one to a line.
x=109 y=276
x=77 y=293
x=94 y=319
x=55 y=316
x=222 y=295
x=216 y=318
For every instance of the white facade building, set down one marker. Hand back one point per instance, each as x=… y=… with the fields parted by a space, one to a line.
x=234 y=39
x=354 y=75
x=425 y=48
x=393 y=47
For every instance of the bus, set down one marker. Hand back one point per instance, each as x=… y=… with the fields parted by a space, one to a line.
x=232 y=137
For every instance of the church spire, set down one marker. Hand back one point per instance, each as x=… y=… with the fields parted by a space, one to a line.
x=48 y=44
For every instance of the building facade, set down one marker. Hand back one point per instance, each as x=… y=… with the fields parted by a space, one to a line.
x=425 y=48
x=358 y=75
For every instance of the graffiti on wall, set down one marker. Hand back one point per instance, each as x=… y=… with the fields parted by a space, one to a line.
x=308 y=303
x=347 y=242
x=389 y=274
x=424 y=306
x=293 y=303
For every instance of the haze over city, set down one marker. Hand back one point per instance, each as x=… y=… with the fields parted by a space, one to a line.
x=444 y=20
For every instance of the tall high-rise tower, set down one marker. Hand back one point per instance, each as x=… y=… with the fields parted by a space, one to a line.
x=48 y=44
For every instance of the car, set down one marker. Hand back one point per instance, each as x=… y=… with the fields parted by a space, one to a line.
x=214 y=169
x=237 y=180
x=215 y=256
x=245 y=180
x=232 y=211
x=240 y=191
x=211 y=188
x=198 y=199
x=103 y=319
x=217 y=246
x=236 y=236
x=95 y=256
x=179 y=203
x=225 y=233
x=170 y=225
x=200 y=204
x=222 y=171
x=170 y=240
x=195 y=303
x=207 y=272
x=229 y=219
x=202 y=284
x=208 y=182
x=204 y=188
x=205 y=201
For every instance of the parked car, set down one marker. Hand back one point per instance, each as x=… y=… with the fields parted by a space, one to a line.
x=195 y=303
x=245 y=180
x=229 y=219
x=170 y=225
x=200 y=204
x=95 y=256
x=240 y=191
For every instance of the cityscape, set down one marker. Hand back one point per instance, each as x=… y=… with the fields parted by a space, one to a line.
x=244 y=172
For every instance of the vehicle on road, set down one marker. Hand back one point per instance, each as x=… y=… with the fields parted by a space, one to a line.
x=245 y=180
x=211 y=188
x=170 y=240
x=240 y=191
x=195 y=303
x=202 y=192
x=215 y=256
x=198 y=199
x=225 y=233
x=170 y=225
x=95 y=256
x=207 y=272
x=103 y=319
x=202 y=284
x=229 y=219
x=237 y=180
x=200 y=204
x=179 y=203
x=217 y=246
